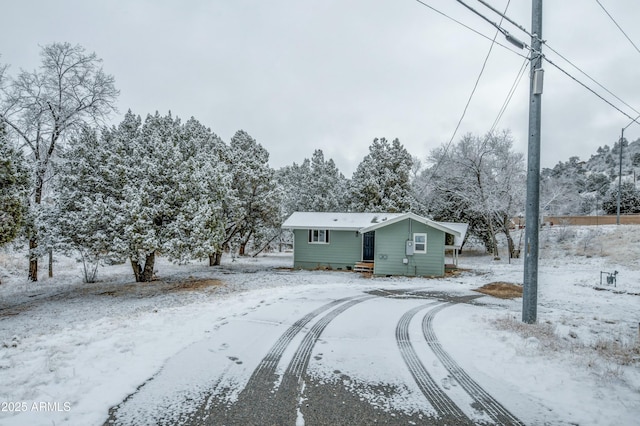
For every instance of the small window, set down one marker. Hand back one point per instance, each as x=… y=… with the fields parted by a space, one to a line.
x=419 y=243
x=318 y=236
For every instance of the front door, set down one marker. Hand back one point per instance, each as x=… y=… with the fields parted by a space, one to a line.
x=368 y=246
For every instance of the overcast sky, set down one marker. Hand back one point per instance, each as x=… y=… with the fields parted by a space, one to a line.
x=335 y=74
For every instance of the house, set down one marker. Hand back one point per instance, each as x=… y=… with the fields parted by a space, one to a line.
x=384 y=243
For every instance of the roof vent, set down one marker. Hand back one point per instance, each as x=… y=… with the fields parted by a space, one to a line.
x=375 y=219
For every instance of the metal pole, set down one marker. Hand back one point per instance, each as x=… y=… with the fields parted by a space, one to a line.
x=619 y=178
x=530 y=291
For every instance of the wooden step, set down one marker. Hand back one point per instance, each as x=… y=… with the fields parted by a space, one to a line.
x=363 y=267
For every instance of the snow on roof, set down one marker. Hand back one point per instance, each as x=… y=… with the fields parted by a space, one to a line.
x=461 y=228
x=413 y=216
x=336 y=221
x=365 y=221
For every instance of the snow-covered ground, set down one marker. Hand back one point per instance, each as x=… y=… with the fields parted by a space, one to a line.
x=69 y=351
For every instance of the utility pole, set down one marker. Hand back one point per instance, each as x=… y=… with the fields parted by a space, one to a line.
x=532 y=223
x=619 y=176
x=635 y=120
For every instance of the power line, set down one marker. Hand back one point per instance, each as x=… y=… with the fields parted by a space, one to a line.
x=505 y=17
x=473 y=91
x=504 y=32
x=590 y=78
x=533 y=52
x=510 y=94
x=589 y=89
x=619 y=27
x=470 y=29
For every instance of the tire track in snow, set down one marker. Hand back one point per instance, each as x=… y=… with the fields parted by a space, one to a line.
x=489 y=405
x=290 y=390
x=269 y=363
x=444 y=406
x=258 y=403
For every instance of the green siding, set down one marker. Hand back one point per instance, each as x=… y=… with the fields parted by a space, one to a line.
x=390 y=250
x=344 y=249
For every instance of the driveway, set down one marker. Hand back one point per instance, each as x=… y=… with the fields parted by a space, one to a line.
x=367 y=357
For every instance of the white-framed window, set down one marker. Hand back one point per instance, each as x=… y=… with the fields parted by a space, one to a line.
x=419 y=243
x=318 y=236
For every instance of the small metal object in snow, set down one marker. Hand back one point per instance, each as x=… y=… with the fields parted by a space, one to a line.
x=610 y=276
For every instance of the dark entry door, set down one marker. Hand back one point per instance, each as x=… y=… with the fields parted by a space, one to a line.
x=368 y=245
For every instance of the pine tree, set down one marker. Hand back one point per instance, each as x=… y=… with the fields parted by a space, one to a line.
x=144 y=189
x=381 y=183
x=327 y=186
x=87 y=204
x=13 y=185
x=252 y=208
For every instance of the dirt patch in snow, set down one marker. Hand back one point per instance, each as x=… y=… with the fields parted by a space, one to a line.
x=156 y=287
x=501 y=290
x=196 y=285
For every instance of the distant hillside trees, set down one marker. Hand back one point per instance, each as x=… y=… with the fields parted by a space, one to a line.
x=580 y=187
x=43 y=108
x=479 y=180
x=381 y=183
x=629 y=200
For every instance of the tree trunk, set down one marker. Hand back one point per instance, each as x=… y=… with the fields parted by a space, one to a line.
x=510 y=245
x=144 y=274
x=137 y=270
x=148 y=266
x=50 y=263
x=494 y=240
x=33 y=239
x=33 y=259
x=243 y=245
x=214 y=259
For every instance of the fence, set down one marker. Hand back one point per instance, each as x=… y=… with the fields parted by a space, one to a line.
x=632 y=219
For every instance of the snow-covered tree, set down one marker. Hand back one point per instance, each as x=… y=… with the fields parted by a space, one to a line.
x=252 y=207
x=381 y=183
x=86 y=204
x=13 y=185
x=629 y=200
x=293 y=180
x=42 y=108
x=315 y=185
x=327 y=186
x=479 y=180
x=144 y=189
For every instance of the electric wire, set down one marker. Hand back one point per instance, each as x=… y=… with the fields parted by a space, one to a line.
x=534 y=52
x=470 y=29
x=473 y=91
x=505 y=17
x=589 y=89
x=591 y=78
x=619 y=27
x=514 y=86
x=495 y=24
